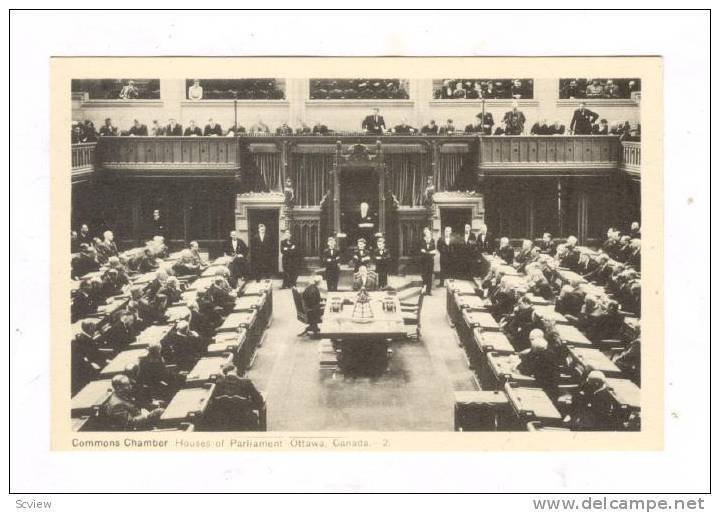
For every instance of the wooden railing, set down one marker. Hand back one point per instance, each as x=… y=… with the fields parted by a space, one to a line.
x=630 y=157
x=83 y=160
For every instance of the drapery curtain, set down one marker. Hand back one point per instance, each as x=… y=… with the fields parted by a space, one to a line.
x=311 y=178
x=269 y=167
x=449 y=167
x=407 y=177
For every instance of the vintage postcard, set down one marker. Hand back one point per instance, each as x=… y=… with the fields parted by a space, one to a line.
x=436 y=254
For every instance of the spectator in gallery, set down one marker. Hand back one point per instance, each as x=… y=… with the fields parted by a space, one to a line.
x=235 y=130
x=192 y=130
x=138 y=129
x=374 y=123
x=76 y=134
x=403 y=128
x=260 y=127
x=212 y=128
x=195 y=91
x=284 y=129
x=459 y=92
x=173 y=128
x=516 y=89
x=108 y=129
x=540 y=128
x=319 y=129
x=601 y=128
x=514 y=120
x=303 y=128
x=88 y=132
x=430 y=129
x=156 y=129
x=448 y=128
x=129 y=91
x=612 y=90
x=556 y=129
x=595 y=89
x=483 y=124
x=474 y=92
x=582 y=120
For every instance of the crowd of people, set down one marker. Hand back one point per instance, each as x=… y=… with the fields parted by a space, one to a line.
x=359 y=89
x=235 y=89
x=598 y=88
x=514 y=122
x=478 y=89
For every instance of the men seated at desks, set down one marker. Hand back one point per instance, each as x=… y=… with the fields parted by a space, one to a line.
x=365 y=279
x=447 y=249
x=313 y=305
x=84 y=357
x=331 y=261
x=146 y=263
x=403 y=128
x=235 y=403
x=238 y=250
x=153 y=376
x=122 y=411
x=539 y=361
x=374 y=124
x=262 y=251
x=192 y=130
x=195 y=253
x=84 y=262
x=291 y=259
x=172 y=290
x=523 y=256
x=198 y=322
x=628 y=361
x=570 y=302
x=113 y=281
x=448 y=128
x=572 y=256
x=85 y=302
x=186 y=265
x=592 y=408
x=123 y=332
x=505 y=251
x=538 y=285
x=183 y=346
x=586 y=266
x=605 y=323
x=173 y=128
x=381 y=258
x=138 y=129
x=107 y=247
x=520 y=322
x=622 y=251
x=212 y=128
x=503 y=298
x=259 y=127
x=426 y=256
x=602 y=272
x=547 y=244
x=612 y=242
x=430 y=129
x=139 y=306
x=633 y=254
x=362 y=255
x=284 y=129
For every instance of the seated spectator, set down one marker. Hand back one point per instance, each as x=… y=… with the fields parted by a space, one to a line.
x=122 y=412
x=284 y=129
x=595 y=89
x=192 y=130
x=448 y=128
x=403 y=128
x=235 y=131
x=303 y=128
x=556 y=129
x=505 y=251
x=539 y=362
x=612 y=90
x=212 y=128
x=540 y=128
x=129 y=91
x=107 y=247
x=195 y=91
x=84 y=262
x=108 y=129
x=138 y=129
x=430 y=129
x=89 y=132
x=365 y=279
x=319 y=129
x=601 y=128
x=259 y=127
x=186 y=264
x=173 y=128
x=156 y=129
x=85 y=302
x=514 y=121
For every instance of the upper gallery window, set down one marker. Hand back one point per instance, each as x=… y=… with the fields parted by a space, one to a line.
x=235 y=89
x=359 y=89
x=118 y=88
x=598 y=88
x=482 y=88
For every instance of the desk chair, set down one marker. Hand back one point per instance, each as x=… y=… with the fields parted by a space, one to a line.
x=411 y=317
x=300 y=312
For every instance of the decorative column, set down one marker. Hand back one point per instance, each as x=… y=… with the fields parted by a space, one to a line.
x=380 y=164
x=336 y=189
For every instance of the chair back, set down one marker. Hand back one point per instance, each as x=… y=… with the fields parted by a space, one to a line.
x=299 y=306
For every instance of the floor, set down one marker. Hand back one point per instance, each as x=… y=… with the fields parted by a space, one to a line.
x=414 y=394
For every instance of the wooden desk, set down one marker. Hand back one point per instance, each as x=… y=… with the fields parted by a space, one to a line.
x=144 y=279
x=565 y=277
x=207 y=370
x=383 y=325
x=151 y=334
x=177 y=313
x=238 y=320
x=90 y=397
x=532 y=404
x=118 y=364
x=471 y=303
x=492 y=342
x=461 y=287
x=482 y=410
x=583 y=359
x=456 y=301
x=481 y=319
x=625 y=392
x=503 y=367
x=213 y=270
x=548 y=312
x=188 y=405
x=249 y=303
x=255 y=288
x=571 y=336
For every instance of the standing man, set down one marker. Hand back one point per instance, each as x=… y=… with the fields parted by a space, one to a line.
x=331 y=259
x=362 y=255
x=374 y=124
x=158 y=227
x=195 y=91
x=582 y=121
x=261 y=254
x=426 y=254
x=483 y=240
x=468 y=253
x=381 y=257
x=238 y=250
x=446 y=247
x=514 y=121
x=290 y=260
x=313 y=305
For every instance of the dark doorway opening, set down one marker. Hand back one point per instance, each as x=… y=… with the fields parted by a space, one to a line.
x=357 y=185
x=270 y=218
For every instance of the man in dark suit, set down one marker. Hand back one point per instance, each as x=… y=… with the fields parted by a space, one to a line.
x=483 y=240
x=514 y=121
x=426 y=256
x=107 y=247
x=547 y=244
x=381 y=257
x=108 y=129
x=138 y=129
x=634 y=230
x=362 y=255
x=235 y=247
x=467 y=253
x=123 y=332
x=158 y=225
x=430 y=129
x=261 y=254
x=582 y=121
x=448 y=128
x=365 y=224
x=173 y=128
x=374 y=123
x=84 y=262
x=290 y=260
x=506 y=251
x=331 y=260
x=319 y=129
x=365 y=279
x=403 y=128
x=448 y=254
x=192 y=130
x=313 y=305
x=212 y=128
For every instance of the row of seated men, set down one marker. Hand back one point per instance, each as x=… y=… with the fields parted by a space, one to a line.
x=158 y=375
x=541 y=352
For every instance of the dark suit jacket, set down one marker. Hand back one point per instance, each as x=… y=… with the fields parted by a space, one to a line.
x=381 y=260
x=485 y=246
x=312 y=301
x=192 y=131
x=361 y=257
x=371 y=281
x=372 y=125
x=331 y=260
x=431 y=130
x=241 y=248
x=427 y=259
x=582 y=121
x=507 y=253
x=216 y=129
x=138 y=130
x=174 y=130
x=446 y=250
x=262 y=253
x=290 y=255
